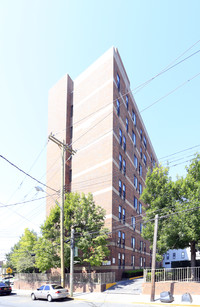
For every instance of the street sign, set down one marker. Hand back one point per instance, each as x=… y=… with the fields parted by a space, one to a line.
x=8 y=270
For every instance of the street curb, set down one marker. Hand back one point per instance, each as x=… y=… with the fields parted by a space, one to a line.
x=132 y=303
x=135 y=277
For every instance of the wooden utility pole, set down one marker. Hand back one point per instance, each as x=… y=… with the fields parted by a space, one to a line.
x=72 y=262
x=153 y=267
x=64 y=148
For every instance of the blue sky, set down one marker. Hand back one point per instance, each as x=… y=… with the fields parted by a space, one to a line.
x=43 y=40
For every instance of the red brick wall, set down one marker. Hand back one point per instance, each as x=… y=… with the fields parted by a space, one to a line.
x=176 y=288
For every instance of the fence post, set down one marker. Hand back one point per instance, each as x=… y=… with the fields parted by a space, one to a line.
x=144 y=275
x=187 y=273
x=164 y=273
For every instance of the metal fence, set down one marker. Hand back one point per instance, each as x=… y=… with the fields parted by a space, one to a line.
x=79 y=278
x=176 y=274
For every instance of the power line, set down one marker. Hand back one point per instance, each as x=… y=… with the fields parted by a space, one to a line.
x=142 y=85
x=179 y=152
x=24 y=202
x=26 y=173
x=169 y=93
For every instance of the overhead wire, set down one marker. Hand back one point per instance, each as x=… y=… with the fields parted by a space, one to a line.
x=169 y=93
x=143 y=84
x=12 y=164
x=152 y=79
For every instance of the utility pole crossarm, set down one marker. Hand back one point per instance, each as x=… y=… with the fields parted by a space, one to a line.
x=61 y=145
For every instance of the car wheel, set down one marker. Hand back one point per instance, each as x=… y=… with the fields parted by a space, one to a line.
x=33 y=296
x=49 y=297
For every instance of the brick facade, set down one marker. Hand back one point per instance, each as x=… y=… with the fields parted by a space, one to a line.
x=103 y=107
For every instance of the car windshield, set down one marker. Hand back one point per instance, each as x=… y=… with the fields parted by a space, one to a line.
x=57 y=287
x=2 y=284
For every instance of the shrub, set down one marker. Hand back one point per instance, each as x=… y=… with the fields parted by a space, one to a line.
x=132 y=273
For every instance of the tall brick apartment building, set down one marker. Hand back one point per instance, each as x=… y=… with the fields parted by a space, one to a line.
x=97 y=114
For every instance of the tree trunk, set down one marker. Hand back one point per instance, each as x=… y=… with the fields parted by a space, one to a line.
x=193 y=260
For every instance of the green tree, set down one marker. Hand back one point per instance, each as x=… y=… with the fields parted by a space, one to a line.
x=21 y=257
x=178 y=206
x=80 y=212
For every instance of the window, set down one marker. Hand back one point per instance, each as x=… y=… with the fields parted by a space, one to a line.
x=141 y=134
x=134 y=117
x=140 y=208
x=123 y=260
x=141 y=226
x=123 y=239
x=124 y=143
x=135 y=161
x=141 y=262
x=144 y=262
x=120 y=188
x=140 y=188
x=133 y=243
x=133 y=137
x=118 y=82
x=182 y=255
x=120 y=137
x=41 y=288
x=71 y=111
x=71 y=132
x=124 y=167
x=167 y=256
x=140 y=169
x=127 y=102
x=120 y=213
x=145 y=142
x=70 y=175
x=124 y=191
x=124 y=215
x=174 y=255
x=145 y=247
x=120 y=162
x=135 y=202
x=119 y=238
x=135 y=182
x=47 y=288
x=133 y=260
x=141 y=246
x=119 y=260
x=118 y=107
x=141 y=152
x=145 y=159
x=126 y=124
x=133 y=222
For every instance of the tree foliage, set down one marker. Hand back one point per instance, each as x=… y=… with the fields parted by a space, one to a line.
x=22 y=257
x=80 y=212
x=43 y=253
x=178 y=206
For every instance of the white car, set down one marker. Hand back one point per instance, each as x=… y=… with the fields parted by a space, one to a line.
x=50 y=292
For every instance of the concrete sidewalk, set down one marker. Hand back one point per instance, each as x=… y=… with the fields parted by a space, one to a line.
x=120 y=299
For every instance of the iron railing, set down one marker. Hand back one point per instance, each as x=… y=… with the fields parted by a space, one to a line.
x=176 y=274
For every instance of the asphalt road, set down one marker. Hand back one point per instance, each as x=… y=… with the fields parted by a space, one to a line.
x=133 y=286
x=25 y=301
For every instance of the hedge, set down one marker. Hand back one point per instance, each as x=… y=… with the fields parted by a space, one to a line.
x=132 y=273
